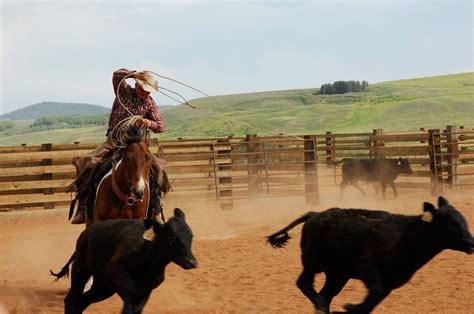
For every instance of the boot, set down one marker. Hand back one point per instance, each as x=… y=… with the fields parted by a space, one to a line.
x=80 y=217
x=85 y=186
x=155 y=209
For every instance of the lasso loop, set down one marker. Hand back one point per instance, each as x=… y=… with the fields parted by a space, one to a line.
x=221 y=116
x=118 y=132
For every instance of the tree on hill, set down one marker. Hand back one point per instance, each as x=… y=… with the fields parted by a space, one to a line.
x=342 y=87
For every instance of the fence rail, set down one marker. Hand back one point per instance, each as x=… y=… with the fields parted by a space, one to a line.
x=230 y=168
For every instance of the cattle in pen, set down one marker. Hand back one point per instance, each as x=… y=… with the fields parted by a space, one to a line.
x=384 y=171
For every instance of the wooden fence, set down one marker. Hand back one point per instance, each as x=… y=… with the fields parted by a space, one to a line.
x=226 y=169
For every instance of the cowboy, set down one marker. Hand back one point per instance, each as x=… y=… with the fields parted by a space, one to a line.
x=129 y=101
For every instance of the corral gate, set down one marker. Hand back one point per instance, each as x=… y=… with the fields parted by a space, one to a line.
x=244 y=168
x=452 y=155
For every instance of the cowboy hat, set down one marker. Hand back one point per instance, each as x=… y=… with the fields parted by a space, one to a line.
x=147 y=82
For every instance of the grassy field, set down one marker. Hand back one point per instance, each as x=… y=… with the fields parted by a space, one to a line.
x=403 y=105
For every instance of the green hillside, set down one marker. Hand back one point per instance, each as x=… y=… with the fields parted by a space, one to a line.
x=394 y=106
x=403 y=105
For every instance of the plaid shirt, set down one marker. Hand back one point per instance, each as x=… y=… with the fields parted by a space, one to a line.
x=146 y=108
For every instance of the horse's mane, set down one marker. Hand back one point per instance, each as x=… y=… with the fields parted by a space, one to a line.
x=134 y=134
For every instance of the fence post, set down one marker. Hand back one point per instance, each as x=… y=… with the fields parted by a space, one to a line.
x=422 y=130
x=227 y=180
x=329 y=148
x=252 y=164
x=435 y=161
x=452 y=157
x=47 y=176
x=311 y=170
x=378 y=143
x=463 y=148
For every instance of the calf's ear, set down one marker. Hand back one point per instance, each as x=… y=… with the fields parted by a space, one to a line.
x=442 y=201
x=428 y=210
x=178 y=213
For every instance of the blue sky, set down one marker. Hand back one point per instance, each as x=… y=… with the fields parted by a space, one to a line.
x=66 y=51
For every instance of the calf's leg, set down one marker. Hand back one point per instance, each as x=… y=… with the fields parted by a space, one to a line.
x=79 y=278
x=305 y=284
x=333 y=285
x=122 y=279
x=384 y=188
x=136 y=305
x=354 y=184
x=342 y=186
x=394 y=189
x=98 y=292
x=377 y=293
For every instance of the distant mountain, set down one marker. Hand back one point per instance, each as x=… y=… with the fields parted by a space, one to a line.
x=49 y=108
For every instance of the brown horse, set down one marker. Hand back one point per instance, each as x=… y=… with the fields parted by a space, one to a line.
x=124 y=191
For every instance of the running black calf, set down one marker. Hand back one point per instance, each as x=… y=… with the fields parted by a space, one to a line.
x=128 y=257
x=381 y=249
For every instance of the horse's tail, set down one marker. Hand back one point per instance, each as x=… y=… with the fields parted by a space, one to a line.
x=279 y=239
x=65 y=270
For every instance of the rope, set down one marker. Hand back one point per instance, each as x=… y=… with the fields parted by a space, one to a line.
x=118 y=141
x=215 y=113
x=183 y=99
x=134 y=118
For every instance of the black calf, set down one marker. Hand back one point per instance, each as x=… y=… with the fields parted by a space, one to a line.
x=128 y=257
x=381 y=249
x=384 y=171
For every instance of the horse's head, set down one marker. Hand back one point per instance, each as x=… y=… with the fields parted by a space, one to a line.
x=136 y=160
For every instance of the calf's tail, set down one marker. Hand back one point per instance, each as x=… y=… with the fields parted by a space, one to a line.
x=65 y=270
x=280 y=238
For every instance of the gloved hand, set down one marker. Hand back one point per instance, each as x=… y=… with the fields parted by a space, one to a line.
x=144 y=122
x=141 y=75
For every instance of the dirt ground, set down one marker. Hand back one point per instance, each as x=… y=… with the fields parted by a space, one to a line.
x=238 y=272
